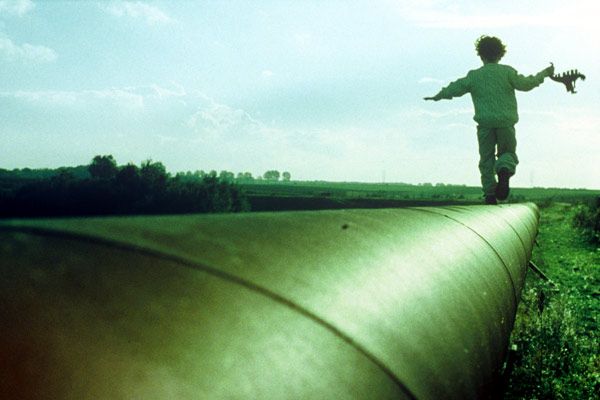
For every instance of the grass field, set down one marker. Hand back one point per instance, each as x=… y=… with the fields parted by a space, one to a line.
x=556 y=340
x=298 y=195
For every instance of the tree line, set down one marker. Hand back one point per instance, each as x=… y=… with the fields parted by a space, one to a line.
x=109 y=189
x=241 y=177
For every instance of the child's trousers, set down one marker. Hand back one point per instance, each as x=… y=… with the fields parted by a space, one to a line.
x=490 y=161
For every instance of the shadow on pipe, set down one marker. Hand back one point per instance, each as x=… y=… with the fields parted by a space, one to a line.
x=397 y=303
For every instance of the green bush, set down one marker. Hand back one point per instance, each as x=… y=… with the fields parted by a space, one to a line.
x=587 y=219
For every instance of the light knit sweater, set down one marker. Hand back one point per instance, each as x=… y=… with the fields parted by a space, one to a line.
x=492 y=89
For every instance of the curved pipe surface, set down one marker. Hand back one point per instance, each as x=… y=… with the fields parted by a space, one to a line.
x=399 y=303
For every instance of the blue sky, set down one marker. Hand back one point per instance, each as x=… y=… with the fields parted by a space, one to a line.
x=327 y=90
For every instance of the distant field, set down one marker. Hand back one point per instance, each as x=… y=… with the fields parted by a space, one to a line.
x=265 y=195
x=298 y=195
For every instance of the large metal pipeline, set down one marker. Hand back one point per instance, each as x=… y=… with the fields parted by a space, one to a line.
x=403 y=303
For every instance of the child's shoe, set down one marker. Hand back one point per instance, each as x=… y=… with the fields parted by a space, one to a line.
x=490 y=199
x=502 y=188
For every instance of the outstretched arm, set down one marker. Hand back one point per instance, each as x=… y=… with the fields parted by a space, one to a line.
x=454 y=89
x=526 y=83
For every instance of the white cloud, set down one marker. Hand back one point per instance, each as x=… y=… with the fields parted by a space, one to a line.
x=215 y=121
x=25 y=52
x=137 y=9
x=128 y=98
x=193 y=115
x=266 y=74
x=120 y=97
x=176 y=91
x=16 y=7
x=47 y=97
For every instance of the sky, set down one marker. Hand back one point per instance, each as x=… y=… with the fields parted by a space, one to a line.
x=327 y=90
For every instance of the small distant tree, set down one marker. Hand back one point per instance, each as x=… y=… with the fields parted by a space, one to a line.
x=226 y=176
x=103 y=167
x=128 y=173
x=272 y=175
x=286 y=176
x=154 y=174
x=244 y=176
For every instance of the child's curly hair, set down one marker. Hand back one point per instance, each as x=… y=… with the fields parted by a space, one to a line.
x=490 y=48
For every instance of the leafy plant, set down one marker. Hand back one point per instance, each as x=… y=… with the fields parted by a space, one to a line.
x=556 y=336
x=556 y=359
x=587 y=219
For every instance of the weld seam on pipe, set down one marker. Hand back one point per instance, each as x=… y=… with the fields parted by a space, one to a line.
x=45 y=232
x=517 y=233
x=512 y=282
x=531 y=234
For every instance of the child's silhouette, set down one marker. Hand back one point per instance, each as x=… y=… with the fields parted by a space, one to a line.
x=492 y=89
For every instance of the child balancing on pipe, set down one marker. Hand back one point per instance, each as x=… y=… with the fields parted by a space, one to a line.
x=492 y=88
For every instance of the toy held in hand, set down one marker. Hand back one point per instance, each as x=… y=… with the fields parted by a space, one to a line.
x=568 y=79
